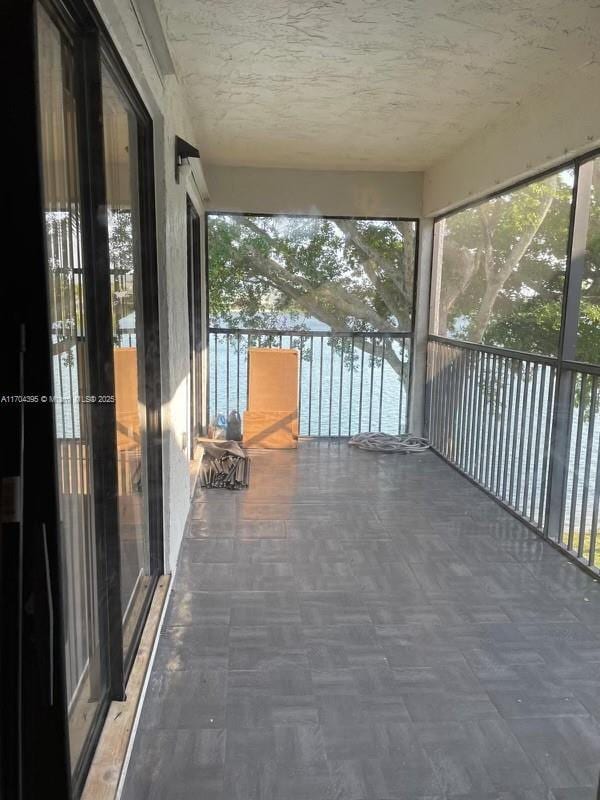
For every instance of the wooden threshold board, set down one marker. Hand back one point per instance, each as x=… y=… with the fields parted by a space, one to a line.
x=103 y=778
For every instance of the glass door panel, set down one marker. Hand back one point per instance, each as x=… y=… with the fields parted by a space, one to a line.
x=85 y=666
x=122 y=195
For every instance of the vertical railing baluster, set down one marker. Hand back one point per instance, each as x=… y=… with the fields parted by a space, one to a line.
x=371 y=386
x=227 y=374
x=216 y=376
x=595 y=503
x=538 y=439
x=341 y=392
x=523 y=419
x=432 y=361
x=468 y=409
x=331 y=352
x=490 y=417
x=482 y=417
x=351 y=384
x=320 y=383
x=529 y=449
x=546 y=439
x=471 y=373
x=383 y=341
x=477 y=414
x=516 y=431
x=464 y=405
x=510 y=421
x=500 y=455
x=362 y=368
x=237 y=373
x=301 y=359
x=575 y=483
x=454 y=411
x=432 y=367
x=443 y=389
x=310 y=383
x=453 y=374
x=479 y=403
x=445 y=400
x=588 y=466
x=450 y=406
x=442 y=394
x=492 y=422
x=435 y=405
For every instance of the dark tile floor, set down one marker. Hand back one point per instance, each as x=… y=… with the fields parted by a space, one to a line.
x=369 y=627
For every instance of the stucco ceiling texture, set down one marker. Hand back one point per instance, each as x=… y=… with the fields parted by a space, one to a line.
x=366 y=84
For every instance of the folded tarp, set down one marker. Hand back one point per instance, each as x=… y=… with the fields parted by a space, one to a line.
x=225 y=466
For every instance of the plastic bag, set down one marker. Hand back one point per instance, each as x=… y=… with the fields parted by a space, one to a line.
x=234 y=427
x=218 y=427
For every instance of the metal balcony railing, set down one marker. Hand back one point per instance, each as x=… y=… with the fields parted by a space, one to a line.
x=349 y=382
x=493 y=414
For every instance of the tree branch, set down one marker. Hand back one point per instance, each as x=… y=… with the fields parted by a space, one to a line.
x=495 y=281
x=328 y=302
x=374 y=260
x=305 y=293
x=470 y=265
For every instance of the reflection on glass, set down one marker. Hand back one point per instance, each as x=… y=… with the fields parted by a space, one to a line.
x=588 y=334
x=85 y=674
x=503 y=266
x=122 y=191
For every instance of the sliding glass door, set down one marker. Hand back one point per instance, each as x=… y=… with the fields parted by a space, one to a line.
x=67 y=275
x=101 y=285
x=122 y=203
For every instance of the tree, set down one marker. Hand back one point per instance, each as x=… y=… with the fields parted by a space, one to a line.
x=502 y=281
x=349 y=274
x=352 y=275
x=503 y=270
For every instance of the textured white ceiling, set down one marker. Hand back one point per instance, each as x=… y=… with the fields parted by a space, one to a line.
x=366 y=84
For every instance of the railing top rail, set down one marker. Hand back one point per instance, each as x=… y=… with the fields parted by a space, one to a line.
x=580 y=366
x=277 y=332
x=500 y=351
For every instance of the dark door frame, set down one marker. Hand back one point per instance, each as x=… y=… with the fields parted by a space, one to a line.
x=194 y=285
x=33 y=744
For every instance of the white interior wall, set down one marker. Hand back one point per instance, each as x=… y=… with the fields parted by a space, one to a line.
x=164 y=100
x=545 y=129
x=293 y=191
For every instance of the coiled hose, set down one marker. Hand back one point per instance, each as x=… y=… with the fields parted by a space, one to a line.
x=388 y=443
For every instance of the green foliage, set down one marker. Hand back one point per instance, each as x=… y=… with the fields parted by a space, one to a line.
x=121 y=248
x=349 y=274
x=503 y=271
x=526 y=310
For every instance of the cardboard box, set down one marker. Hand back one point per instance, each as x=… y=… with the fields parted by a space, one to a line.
x=274 y=430
x=271 y=420
x=272 y=379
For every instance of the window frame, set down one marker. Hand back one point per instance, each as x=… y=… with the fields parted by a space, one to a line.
x=298 y=215
x=569 y=319
x=410 y=333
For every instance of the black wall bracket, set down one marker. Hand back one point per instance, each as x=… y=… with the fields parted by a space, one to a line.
x=183 y=152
